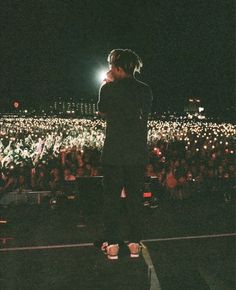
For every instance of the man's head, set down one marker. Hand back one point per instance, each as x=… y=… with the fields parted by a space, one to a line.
x=124 y=63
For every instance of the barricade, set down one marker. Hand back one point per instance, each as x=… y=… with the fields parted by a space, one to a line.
x=25 y=196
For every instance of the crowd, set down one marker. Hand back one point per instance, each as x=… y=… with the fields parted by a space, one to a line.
x=185 y=158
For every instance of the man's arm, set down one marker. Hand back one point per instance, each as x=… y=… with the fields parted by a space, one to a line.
x=147 y=101
x=103 y=101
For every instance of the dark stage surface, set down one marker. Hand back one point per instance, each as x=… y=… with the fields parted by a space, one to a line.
x=204 y=259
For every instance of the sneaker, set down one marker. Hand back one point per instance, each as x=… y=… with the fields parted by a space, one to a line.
x=110 y=250
x=146 y=203
x=134 y=249
x=154 y=203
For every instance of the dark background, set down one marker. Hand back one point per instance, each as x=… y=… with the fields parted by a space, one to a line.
x=55 y=48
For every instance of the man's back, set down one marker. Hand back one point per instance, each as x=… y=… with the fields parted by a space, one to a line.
x=126 y=104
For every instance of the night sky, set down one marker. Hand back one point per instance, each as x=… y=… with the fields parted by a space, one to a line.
x=55 y=48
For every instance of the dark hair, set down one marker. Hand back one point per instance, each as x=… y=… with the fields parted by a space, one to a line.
x=127 y=59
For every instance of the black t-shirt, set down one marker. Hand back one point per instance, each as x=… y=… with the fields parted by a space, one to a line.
x=126 y=103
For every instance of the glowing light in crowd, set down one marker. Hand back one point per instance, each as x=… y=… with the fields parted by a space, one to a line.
x=16 y=104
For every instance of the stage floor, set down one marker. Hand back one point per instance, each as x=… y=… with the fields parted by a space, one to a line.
x=189 y=245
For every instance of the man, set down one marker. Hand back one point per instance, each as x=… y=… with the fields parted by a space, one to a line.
x=125 y=102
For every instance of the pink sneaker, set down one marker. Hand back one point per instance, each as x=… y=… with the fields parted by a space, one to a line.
x=134 y=249
x=110 y=250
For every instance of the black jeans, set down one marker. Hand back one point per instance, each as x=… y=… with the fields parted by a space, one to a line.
x=131 y=177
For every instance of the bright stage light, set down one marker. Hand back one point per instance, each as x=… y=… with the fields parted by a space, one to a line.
x=102 y=75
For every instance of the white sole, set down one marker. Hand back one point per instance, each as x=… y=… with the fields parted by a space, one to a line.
x=134 y=255
x=112 y=257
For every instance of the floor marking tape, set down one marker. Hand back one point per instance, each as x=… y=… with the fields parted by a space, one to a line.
x=62 y=246
x=154 y=282
x=190 y=237
x=47 y=247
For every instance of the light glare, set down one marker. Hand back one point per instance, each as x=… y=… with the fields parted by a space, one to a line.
x=102 y=75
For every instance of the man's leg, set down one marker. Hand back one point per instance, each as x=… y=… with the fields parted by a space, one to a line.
x=134 y=180
x=112 y=184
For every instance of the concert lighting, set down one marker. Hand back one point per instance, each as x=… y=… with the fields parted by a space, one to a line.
x=102 y=75
x=16 y=104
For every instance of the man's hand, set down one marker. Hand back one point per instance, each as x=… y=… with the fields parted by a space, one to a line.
x=103 y=115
